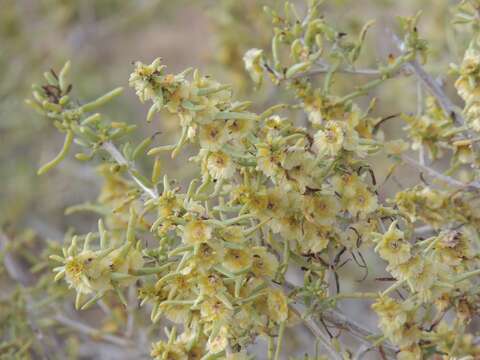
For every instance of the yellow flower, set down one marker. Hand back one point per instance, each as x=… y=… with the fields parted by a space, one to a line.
x=464 y=152
x=220 y=165
x=143 y=79
x=237 y=260
x=392 y=247
x=264 y=264
x=453 y=248
x=329 y=141
x=213 y=310
x=74 y=270
x=315 y=237
x=320 y=209
x=213 y=135
x=210 y=284
x=177 y=314
x=162 y=350
x=87 y=273
x=300 y=173
x=169 y=204
x=276 y=203
x=269 y=160
x=277 y=305
x=125 y=262
x=397 y=321
x=289 y=226
x=233 y=234
x=362 y=202
x=424 y=280
x=239 y=128
x=196 y=232
x=345 y=184
x=219 y=342
x=396 y=147
x=407 y=270
x=207 y=256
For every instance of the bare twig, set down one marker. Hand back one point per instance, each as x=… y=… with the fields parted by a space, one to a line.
x=431 y=85
x=17 y=271
x=435 y=174
x=435 y=90
x=90 y=331
x=340 y=320
x=313 y=327
x=360 y=332
x=14 y=268
x=326 y=69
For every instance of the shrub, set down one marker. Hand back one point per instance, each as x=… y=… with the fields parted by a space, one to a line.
x=286 y=190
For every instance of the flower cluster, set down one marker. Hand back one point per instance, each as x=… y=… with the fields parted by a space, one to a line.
x=274 y=195
x=467 y=85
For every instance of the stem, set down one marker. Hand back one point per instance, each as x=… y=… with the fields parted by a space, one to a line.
x=90 y=331
x=120 y=159
x=433 y=173
x=326 y=69
x=313 y=327
x=281 y=331
x=467 y=275
x=356 y=295
x=271 y=347
x=394 y=287
x=361 y=90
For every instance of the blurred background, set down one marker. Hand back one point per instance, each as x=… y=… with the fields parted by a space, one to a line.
x=103 y=38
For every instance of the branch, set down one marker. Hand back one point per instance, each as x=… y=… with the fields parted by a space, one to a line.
x=90 y=331
x=325 y=69
x=431 y=85
x=435 y=174
x=340 y=320
x=17 y=271
x=14 y=268
x=361 y=333
x=313 y=327
x=435 y=90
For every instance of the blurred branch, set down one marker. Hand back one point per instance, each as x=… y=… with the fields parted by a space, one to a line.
x=90 y=331
x=435 y=174
x=325 y=69
x=431 y=85
x=17 y=271
x=314 y=328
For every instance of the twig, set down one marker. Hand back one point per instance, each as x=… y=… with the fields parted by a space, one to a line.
x=313 y=327
x=326 y=69
x=14 y=268
x=90 y=331
x=17 y=271
x=336 y=317
x=435 y=174
x=340 y=320
x=431 y=85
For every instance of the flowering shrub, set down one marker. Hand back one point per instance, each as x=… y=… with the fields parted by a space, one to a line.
x=275 y=196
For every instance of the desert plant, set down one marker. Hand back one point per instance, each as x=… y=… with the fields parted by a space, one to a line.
x=291 y=189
